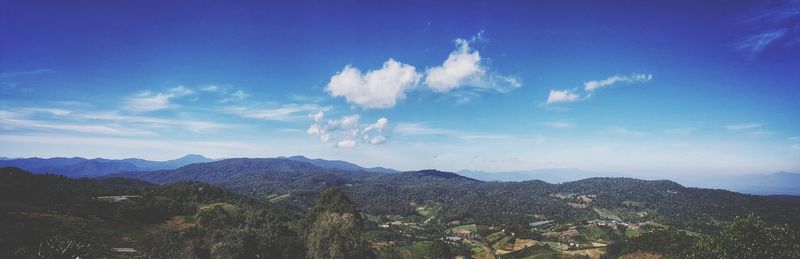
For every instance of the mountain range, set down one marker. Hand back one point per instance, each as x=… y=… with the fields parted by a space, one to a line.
x=781 y=183
x=550 y=175
x=342 y=165
x=82 y=167
x=457 y=197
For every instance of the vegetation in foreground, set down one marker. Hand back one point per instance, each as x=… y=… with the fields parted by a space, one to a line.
x=46 y=216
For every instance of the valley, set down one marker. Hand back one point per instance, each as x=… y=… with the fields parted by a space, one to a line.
x=221 y=209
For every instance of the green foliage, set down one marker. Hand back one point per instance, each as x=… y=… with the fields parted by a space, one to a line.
x=667 y=242
x=750 y=237
x=440 y=250
x=40 y=218
x=337 y=228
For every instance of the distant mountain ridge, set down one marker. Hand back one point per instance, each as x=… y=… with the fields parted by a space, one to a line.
x=342 y=165
x=760 y=184
x=780 y=183
x=299 y=183
x=550 y=175
x=82 y=167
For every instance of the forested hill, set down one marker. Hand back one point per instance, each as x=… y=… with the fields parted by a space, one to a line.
x=260 y=177
x=76 y=167
x=455 y=197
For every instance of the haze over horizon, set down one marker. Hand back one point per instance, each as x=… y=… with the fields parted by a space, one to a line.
x=625 y=87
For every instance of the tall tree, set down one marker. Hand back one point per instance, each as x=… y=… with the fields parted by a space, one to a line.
x=336 y=229
x=750 y=237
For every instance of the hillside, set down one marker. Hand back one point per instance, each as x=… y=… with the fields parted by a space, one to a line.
x=406 y=215
x=259 y=177
x=76 y=167
x=48 y=216
x=341 y=165
x=462 y=198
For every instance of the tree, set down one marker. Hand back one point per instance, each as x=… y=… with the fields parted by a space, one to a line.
x=440 y=250
x=749 y=237
x=336 y=229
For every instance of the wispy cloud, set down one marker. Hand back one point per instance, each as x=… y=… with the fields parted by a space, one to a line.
x=421 y=129
x=755 y=44
x=562 y=96
x=288 y=112
x=149 y=101
x=590 y=87
x=634 y=78
x=775 y=25
x=196 y=126
x=11 y=120
x=743 y=126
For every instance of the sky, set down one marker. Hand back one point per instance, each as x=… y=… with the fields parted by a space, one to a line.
x=644 y=88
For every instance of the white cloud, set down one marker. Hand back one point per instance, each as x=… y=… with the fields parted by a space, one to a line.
x=237 y=95
x=757 y=43
x=10 y=120
x=376 y=89
x=317 y=116
x=378 y=125
x=180 y=91
x=289 y=112
x=347 y=143
x=148 y=101
x=635 y=78
x=210 y=88
x=744 y=126
x=567 y=96
x=420 y=129
x=462 y=66
x=379 y=139
x=196 y=126
x=561 y=96
x=347 y=130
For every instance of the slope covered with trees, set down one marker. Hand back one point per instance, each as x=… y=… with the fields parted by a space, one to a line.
x=466 y=199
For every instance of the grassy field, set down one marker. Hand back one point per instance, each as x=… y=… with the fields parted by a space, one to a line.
x=229 y=208
x=593 y=253
x=470 y=227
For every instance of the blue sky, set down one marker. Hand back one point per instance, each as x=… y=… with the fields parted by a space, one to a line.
x=645 y=89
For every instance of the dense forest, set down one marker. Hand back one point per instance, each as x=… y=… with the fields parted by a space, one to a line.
x=49 y=216
x=298 y=184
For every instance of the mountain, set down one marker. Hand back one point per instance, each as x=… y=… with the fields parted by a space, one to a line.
x=169 y=164
x=760 y=184
x=456 y=197
x=259 y=177
x=341 y=165
x=552 y=175
x=81 y=167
